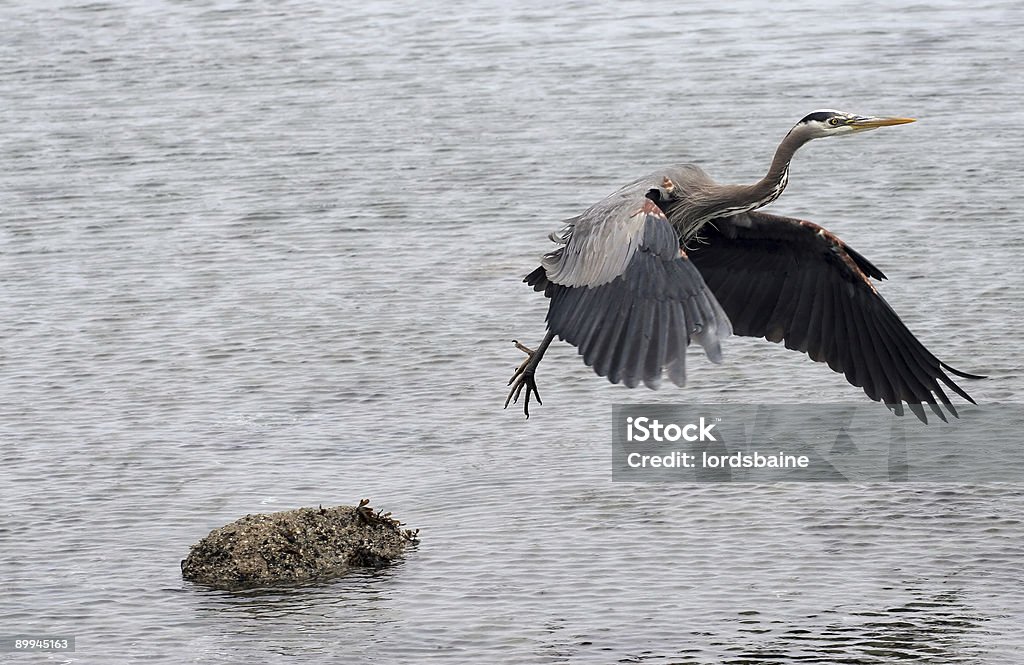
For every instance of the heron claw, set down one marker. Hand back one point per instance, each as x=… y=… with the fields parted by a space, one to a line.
x=524 y=377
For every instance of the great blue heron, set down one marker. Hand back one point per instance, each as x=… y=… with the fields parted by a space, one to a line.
x=674 y=257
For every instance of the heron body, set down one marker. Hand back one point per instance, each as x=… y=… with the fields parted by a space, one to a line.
x=674 y=258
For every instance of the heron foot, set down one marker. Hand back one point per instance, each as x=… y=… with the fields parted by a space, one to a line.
x=524 y=378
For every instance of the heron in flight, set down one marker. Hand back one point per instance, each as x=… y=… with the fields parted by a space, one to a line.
x=675 y=257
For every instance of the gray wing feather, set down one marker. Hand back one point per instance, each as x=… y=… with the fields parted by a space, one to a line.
x=634 y=324
x=598 y=245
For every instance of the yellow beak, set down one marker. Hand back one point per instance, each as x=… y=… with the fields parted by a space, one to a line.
x=868 y=122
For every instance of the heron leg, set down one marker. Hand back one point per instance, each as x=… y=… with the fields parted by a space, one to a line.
x=524 y=375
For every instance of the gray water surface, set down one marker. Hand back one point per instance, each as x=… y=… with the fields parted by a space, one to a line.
x=255 y=257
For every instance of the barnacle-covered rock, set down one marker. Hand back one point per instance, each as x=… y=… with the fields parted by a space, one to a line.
x=296 y=546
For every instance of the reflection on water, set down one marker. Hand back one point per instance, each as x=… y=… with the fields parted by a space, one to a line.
x=259 y=258
x=940 y=628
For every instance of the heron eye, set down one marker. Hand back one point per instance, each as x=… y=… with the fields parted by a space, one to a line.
x=834 y=122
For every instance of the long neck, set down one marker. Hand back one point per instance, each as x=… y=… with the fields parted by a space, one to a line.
x=724 y=200
x=768 y=188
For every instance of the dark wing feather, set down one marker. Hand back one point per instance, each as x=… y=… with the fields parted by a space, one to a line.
x=792 y=281
x=638 y=324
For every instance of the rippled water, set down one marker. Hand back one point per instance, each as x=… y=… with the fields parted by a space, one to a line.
x=253 y=259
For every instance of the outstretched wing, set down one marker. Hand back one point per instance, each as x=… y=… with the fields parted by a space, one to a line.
x=624 y=293
x=790 y=280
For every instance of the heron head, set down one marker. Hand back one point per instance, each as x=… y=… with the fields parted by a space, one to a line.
x=827 y=122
